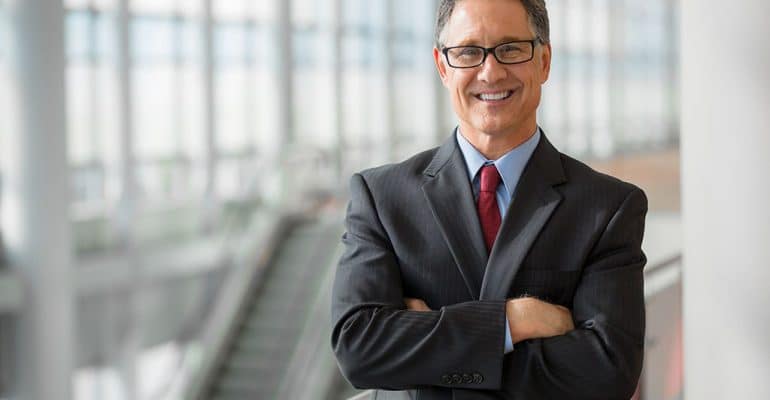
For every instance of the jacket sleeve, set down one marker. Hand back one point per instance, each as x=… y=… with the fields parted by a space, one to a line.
x=380 y=344
x=602 y=357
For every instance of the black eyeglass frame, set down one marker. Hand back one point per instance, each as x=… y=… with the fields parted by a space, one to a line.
x=487 y=50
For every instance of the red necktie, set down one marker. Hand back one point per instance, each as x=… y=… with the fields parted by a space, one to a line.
x=489 y=213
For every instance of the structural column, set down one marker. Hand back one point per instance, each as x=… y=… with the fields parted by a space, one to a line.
x=210 y=111
x=282 y=134
x=726 y=217
x=337 y=76
x=617 y=73
x=394 y=137
x=126 y=349
x=35 y=206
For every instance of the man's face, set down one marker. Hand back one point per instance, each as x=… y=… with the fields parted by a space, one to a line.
x=488 y=23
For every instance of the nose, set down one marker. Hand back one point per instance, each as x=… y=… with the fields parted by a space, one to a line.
x=492 y=71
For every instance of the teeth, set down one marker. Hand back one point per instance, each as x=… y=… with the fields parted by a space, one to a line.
x=494 y=96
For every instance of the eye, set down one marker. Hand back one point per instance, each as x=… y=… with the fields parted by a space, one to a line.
x=511 y=48
x=467 y=52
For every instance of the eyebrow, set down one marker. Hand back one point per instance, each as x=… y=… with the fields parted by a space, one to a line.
x=505 y=39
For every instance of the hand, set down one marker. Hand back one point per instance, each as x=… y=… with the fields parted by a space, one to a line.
x=530 y=318
x=416 y=305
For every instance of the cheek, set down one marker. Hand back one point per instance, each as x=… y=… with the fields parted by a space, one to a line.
x=461 y=94
x=530 y=88
x=459 y=84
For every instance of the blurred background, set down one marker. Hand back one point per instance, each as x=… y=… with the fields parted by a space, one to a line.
x=173 y=177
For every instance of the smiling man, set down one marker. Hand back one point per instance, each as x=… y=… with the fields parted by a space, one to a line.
x=493 y=266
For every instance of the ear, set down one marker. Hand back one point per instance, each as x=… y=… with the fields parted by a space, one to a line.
x=438 y=58
x=545 y=62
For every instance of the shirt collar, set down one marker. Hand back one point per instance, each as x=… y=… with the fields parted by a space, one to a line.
x=510 y=165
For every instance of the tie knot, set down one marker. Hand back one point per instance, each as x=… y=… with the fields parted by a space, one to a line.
x=490 y=178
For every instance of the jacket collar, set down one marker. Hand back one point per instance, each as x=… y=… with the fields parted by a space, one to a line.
x=450 y=198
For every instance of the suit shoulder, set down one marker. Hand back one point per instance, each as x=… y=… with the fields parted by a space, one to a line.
x=593 y=181
x=404 y=171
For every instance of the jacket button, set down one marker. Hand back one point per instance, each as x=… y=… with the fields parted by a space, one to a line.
x=446 y=379
x=478 y=378
x=467 y=378
x=457 y=378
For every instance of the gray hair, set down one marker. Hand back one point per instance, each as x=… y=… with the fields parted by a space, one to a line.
x=536 y=11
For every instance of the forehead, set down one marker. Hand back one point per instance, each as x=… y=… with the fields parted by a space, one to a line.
x=487 y=21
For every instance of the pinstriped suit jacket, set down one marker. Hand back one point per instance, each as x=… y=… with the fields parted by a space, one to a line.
x=571 y=236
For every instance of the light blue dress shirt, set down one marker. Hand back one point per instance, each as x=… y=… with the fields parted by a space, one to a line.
x=510 y=166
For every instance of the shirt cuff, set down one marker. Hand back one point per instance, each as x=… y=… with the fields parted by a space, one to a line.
x=508 y=340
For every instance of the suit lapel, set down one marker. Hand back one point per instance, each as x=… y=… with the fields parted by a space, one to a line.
x=534 y=201
x=450 y=198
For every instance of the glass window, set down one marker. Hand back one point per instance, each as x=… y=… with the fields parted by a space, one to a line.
x=168 y=101
x=577 y=64
x=612 y=82
x=364 y=84
x=155 y=7
x=92 y=111
x=552 y=114
x=600 y=139
x=242 y=55
x=414 y=77
x=166 y=113
x=314 y=53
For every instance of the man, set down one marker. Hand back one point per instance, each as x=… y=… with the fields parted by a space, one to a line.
x=492 y=267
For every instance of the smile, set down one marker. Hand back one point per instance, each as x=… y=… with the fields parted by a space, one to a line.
x=494 y=96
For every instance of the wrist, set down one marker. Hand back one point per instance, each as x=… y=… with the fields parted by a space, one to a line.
x=517 y=325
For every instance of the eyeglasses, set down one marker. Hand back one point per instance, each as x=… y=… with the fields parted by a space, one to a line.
x=515 y=52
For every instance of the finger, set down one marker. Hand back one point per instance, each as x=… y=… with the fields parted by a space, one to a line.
x=410 y=303
x=416 y=304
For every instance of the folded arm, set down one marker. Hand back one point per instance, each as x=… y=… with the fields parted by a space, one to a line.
x=380 y=343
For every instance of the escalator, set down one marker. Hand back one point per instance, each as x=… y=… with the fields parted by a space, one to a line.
x=266 y=346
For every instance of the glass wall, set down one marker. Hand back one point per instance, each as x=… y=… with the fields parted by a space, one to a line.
x=134 y=96
x=313 y=53
x=169 y=103
x=93 y=114
x=612 y=88
x=365 y=65
x=166 y=106
x=414 y=79
x=241 y=90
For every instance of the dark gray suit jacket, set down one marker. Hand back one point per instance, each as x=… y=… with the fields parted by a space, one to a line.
x=571 y=236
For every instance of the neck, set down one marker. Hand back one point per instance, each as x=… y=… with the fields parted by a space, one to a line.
x=495 y=145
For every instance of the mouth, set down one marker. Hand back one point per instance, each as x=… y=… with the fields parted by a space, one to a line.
x=493 y=97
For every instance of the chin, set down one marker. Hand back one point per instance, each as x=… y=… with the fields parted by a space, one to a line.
x=493 y=128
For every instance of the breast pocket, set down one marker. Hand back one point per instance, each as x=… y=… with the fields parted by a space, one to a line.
x=557 y=287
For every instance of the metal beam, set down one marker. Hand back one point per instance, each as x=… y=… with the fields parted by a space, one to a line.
x=338 y=119
x=124 y=353
x=393 y=136
x=281 y=70
x=210 y=114
x=127 y=200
